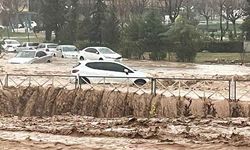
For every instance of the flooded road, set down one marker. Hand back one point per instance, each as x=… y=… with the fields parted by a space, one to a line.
x=76 y=132
x=40 y=141
x=155 y=68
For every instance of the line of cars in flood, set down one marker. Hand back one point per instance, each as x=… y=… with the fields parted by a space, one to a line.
x=94 y=62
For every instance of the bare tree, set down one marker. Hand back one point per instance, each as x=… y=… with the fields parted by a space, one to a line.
x=171 y=8
x=137 y=7
x=233 y=10
x=122 y=8
x=205 y=9
x=12 y=8
x=219 y=9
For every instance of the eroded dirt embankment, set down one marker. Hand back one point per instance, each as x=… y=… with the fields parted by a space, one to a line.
x=38 y=101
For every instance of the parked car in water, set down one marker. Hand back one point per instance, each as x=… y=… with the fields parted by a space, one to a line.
x=10 y=45
x=93 y=72
x=99 y=53
x=49 y=48
x=26 y=46
x=67 y=51
x=30 y=57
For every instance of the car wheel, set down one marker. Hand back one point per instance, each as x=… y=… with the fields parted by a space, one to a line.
x=100 y=58
x=140 y=82
x=62 y=56
x=81 y=58
x=49 y=61
x=84 y=80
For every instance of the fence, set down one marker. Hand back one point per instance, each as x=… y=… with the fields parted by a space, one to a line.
x=199 y=88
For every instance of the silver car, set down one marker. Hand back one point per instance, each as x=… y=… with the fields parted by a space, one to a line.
x=30 y=57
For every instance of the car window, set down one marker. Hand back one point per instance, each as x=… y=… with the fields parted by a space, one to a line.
x=52 y=46
x=91 y=50
x=33 y=44
x=106 y=51
x=26 y=54
x=24 y=45
x=95 y=65
x=108 y=66
x=12 y=42
x=40 y=54
x=69 y=49
x=41 y=46
x=7 y=42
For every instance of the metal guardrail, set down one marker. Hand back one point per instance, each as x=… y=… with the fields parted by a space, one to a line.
x=193 y=87
x=199 y=88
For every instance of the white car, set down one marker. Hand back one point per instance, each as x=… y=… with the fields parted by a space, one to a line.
x=49 y=48
x=27 y=46
x=99 y=53
x=10 y=45
x=94 y=71
x=32 y=24
x=67 y=51
x=30 y=57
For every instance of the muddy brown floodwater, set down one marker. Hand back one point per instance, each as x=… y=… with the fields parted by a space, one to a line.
x=155 y=68
x=79 y=132
x=67 y=131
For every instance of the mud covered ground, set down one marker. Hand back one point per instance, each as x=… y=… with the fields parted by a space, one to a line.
x=79 y=132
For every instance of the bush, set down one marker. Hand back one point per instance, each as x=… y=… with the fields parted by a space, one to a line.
x=186 y=39
x=224 y=47
x=157 y=55
x=82 y=44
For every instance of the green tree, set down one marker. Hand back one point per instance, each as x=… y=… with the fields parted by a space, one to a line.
x=131 y=39
x=67 y=33
x=111 y=32
x=152 y=30
x=143 y=34
x=97 y=22
x=186 y=39
x=52 y=16
x=83 y=29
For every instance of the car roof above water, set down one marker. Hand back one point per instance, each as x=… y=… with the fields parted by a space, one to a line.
x=100 y=61
x=96 y=47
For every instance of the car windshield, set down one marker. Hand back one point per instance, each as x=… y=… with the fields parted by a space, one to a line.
x=52 y=46
x=33 y=44
x=11 y=42
x=69 y=49
x=106 y=51
x=26 y=54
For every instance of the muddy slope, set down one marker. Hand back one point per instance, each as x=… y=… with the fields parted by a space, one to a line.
x=38 y=101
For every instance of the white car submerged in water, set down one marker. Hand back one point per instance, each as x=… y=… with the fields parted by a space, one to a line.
x=99 y=53
x=49 y=48
x=27 y=46
x=10 y=45
x=67 y=51
x=115 y=72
